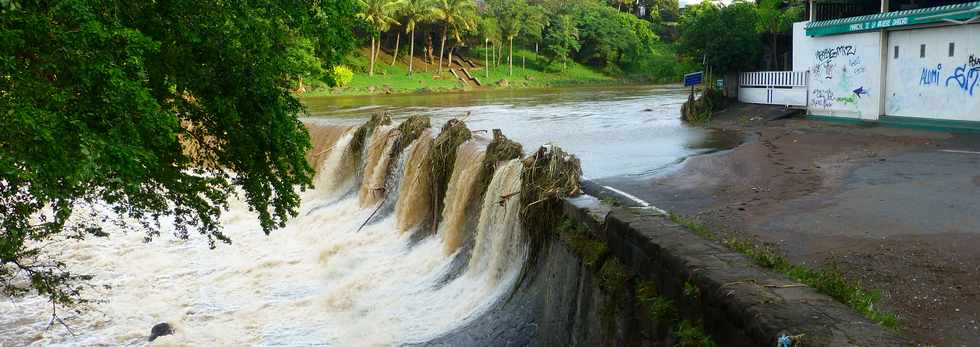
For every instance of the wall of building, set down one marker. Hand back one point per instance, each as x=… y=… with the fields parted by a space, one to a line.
x=845 y=72
x=936 y=84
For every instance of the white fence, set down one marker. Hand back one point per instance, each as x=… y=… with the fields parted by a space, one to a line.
x=787 y=88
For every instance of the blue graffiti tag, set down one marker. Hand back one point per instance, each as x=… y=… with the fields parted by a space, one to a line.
x=860 y=91
x=965 y=78
x=930 y=76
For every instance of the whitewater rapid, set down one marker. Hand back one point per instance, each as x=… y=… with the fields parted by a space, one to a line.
x=327 y=278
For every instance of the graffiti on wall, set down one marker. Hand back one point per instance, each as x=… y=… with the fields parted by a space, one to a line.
x=828 y=54
x=825 y=70
x=930 y=76
x=823 y=98
x=825 y=61
x=856 y=64
x=974 y=61
x=846 y=100
x=841 y=65
x=965 y=77
x=860 y=91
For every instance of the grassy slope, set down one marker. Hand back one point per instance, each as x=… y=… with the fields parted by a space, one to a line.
x=396 y=77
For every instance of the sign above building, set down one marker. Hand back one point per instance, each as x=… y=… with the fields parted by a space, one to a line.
x=958 y=13
x=693 y=78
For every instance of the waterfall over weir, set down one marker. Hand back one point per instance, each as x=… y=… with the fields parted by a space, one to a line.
x=366 y=262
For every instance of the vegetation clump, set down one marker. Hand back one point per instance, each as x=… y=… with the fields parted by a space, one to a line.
x=691 y=334
x=342 y=75
x=442 y=156
x=658 y=308
x=360 y=137
x=500 y=149
x=700 y=110
x=412 y=128
x=550 y=175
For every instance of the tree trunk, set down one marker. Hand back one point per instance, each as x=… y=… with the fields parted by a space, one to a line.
x=510 y=57
x=500 y=55
x=493 y=54
x=428 y=51
x=377 y=52
x=442 y=46
x=411 y=53
x=371 y=70
x=775 y=52
x=450 y=65
x=394 y=56
x=486 y=59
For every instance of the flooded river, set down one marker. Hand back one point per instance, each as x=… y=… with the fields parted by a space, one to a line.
x=615 y=130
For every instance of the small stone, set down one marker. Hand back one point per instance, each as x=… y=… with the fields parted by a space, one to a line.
x=161 y=329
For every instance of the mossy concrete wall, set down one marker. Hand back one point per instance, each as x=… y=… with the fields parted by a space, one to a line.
x=737 y=302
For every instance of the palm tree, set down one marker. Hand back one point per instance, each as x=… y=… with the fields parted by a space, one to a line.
x=377 y=13
x=456 y=16
x=415 y=12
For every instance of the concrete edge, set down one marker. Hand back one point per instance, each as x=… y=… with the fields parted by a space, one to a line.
x=741 y=303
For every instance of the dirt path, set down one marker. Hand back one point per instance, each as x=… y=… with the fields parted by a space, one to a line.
x=896 y=209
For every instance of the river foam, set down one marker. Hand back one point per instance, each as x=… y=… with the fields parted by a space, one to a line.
x=327 y=278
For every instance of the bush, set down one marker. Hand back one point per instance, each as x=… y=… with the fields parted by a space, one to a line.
x=342 y=75
x=700 y=110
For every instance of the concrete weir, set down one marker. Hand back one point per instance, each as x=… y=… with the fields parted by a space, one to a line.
x=739 y=303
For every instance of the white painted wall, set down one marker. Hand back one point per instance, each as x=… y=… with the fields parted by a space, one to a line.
x=937 y=86
x=845 y=72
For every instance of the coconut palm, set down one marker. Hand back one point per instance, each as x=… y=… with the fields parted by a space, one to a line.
x=456 y=17
x=380 y=15
x=415 y=12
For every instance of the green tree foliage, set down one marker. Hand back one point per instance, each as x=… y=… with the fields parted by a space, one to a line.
x=611 y=39
x=727 y=35
x=380 y=14
x=153 y=110
x=457 y=17
x=561 y=39
x=512 y=17
x=775 y=18
x=415 y=12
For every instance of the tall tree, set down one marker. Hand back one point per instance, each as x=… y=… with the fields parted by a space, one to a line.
x=561 y=39
x=456 y=16
x=511 y=16
x=776 y=18
x=490 y=31
x=380 y=15
x=149 y=111
x=415 y=12
x=725 y=37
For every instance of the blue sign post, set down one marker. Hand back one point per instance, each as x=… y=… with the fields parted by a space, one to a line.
x=693 y=79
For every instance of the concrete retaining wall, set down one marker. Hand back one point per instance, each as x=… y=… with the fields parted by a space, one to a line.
x=741 y=303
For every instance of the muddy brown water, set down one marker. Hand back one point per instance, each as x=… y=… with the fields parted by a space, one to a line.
x=615 y=130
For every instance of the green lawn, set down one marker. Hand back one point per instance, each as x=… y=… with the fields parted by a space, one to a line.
x=534 y=74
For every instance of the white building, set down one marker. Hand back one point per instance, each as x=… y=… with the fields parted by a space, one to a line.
x=919 y=64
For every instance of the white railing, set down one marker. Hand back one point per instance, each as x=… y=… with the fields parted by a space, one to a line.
x=787 y=88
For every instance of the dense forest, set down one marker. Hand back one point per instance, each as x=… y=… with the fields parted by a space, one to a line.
x=652 y=39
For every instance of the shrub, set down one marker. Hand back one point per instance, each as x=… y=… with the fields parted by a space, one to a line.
x=342 y=75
